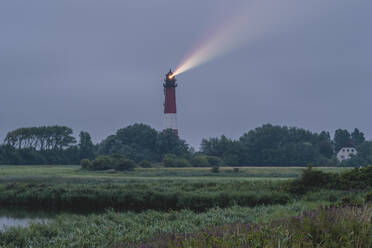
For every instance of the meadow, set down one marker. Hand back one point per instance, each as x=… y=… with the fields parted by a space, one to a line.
x=154 y=207
x=10 y=172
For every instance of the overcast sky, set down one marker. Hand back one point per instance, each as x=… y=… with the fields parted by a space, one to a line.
x=98 y=66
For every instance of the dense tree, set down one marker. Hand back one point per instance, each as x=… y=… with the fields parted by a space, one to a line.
x=342 y=139
x=227 y=149
x=168 y=142
x=276 y=145
x=265 y=145
x=141 y=142
x=364 y=156
x=357 y=137
x=40 y=145
x=86 y=146
x=41 y=138
x=325 y=144
x=137 y=142
x=10 y=155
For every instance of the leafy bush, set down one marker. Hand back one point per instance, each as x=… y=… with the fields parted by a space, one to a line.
x=171 y=160
x=124 y=164
x=214 y=161
x=358 y=178
x=200 y=161
x=145 y=164
x=103 y=162
x=85 y=164
x=205 y=161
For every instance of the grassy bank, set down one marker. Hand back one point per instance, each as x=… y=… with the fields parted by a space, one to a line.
x=139 y=196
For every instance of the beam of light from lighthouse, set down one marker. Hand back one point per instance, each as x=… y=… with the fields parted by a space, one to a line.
x=257 y=19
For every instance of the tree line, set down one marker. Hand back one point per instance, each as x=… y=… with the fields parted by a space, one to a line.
x=271 y=145
x=41 y=138
x=268 y=145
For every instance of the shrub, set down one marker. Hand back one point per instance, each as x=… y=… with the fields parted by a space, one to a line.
x=315 y=178
x=206 y=161
x=358 y=178
x=117 y=162
x=145 y=164
x=124 y=164
x=215 y=169
x=85 y=164
x=236 y=170
x=214 y=161
x=171 y=160
x=200 y=161
x=103 y=162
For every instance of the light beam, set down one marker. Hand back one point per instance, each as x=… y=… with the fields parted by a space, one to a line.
x=257 y=19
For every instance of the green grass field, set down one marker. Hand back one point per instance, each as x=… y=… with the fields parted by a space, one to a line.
x=251 y=173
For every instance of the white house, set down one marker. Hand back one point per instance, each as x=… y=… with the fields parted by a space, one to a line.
x=345 y=153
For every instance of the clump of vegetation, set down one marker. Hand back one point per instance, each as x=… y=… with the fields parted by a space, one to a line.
x=145 y=164
x=325 y=227
x=118 y=163
x=357 y=178
x=171 y=160
x=86 y=164
x=124 y=164
x=200 y=161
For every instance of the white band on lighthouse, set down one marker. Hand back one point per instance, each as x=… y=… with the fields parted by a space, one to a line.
x=170 y=121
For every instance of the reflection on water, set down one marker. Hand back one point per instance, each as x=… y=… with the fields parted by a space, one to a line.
x=21 y=218
x=6 y=222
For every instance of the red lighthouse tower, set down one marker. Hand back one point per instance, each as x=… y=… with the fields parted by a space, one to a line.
x=170 y=108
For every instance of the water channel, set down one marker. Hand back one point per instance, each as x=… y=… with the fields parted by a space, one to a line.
x=21 y=217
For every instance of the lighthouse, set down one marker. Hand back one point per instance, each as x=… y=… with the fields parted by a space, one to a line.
x=170 y=107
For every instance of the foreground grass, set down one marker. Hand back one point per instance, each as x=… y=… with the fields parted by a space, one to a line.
x=112 y=228
x=348 y=227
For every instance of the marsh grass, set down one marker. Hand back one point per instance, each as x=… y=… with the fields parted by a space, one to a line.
x=327 y=227
x=112 y=228
x=140 y=196
x=159 y=202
